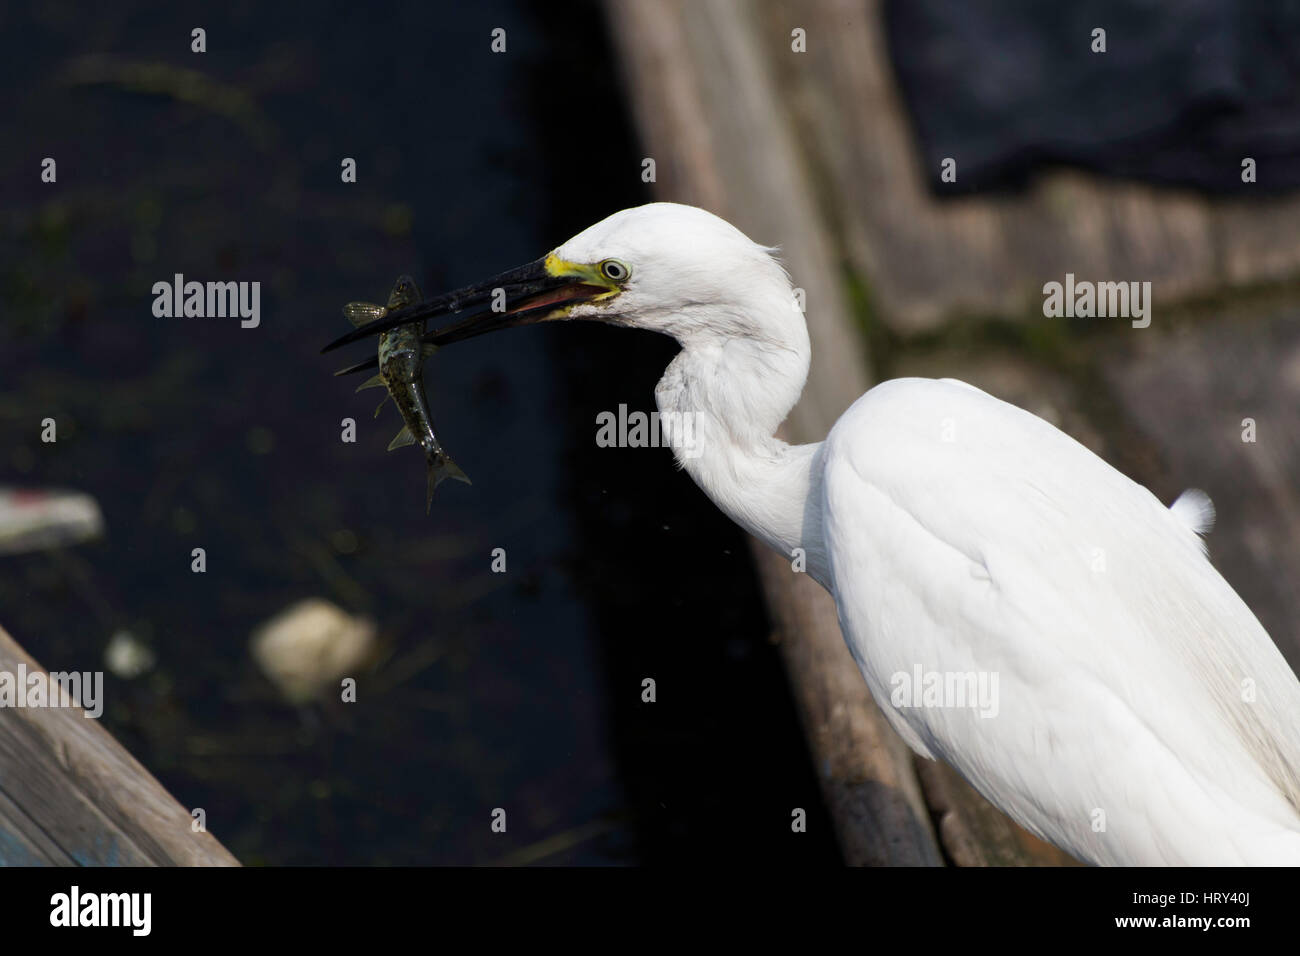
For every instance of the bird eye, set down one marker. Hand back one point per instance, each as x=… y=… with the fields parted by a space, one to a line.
x=614 y=271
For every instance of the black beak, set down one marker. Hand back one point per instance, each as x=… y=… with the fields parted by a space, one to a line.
x=529 y=294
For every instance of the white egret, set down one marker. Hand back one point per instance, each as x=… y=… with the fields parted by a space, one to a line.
x=1143 y=715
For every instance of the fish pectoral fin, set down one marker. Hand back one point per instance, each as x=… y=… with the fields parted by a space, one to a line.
x=363 y=313
x=404 y=438
x=376 y=381
x=427 y=349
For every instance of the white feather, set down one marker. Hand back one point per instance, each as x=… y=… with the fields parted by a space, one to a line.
x=1196 y=511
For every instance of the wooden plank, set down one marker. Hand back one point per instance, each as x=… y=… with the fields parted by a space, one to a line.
x=69 y=792
x=32 y=779
x=707 y=114
x=976 y=833
x=23 y=842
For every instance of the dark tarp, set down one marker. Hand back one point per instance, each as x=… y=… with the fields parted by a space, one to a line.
x=1184 y=92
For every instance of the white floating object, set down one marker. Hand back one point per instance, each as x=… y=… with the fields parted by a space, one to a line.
x=128 y=657
x=309 y=647
x=36 y=519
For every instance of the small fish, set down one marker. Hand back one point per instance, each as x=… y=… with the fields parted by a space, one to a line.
x=401 y=371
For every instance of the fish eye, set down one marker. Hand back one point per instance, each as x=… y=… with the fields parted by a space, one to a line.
x=614 y=271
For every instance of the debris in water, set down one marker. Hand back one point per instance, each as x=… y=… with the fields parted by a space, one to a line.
x=40 y=519
x=306 y=649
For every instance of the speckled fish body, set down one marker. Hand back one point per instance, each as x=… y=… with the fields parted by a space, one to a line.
x=401 y=372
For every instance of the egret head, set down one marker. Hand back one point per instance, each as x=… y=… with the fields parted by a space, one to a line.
x=678 y=270
x=666 y=267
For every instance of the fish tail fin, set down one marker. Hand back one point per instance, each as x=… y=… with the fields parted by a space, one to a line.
x=441 y=467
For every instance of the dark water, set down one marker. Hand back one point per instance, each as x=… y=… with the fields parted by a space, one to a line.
x=519 y=690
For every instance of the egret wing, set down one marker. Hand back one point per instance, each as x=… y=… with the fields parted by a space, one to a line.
x=967 y=536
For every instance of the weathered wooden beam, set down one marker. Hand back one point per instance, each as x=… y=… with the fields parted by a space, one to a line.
x=973 y=831
x=708 y=117
x=703 y=81
x=70 y=794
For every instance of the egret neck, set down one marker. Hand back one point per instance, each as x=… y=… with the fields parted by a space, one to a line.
x=737 y=390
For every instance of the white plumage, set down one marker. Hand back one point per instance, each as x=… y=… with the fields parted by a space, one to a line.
x=1143 y=715
x=1125 y=661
